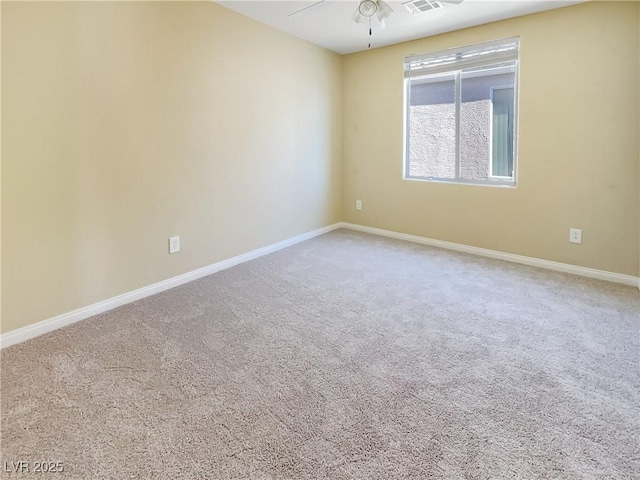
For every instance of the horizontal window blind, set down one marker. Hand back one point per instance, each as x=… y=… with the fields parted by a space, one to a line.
x=461 y=58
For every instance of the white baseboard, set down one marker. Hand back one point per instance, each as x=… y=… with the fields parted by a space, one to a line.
x=30 y=331
x=509 y=257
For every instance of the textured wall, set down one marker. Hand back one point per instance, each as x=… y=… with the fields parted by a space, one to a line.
x=577 y=162
x=433 y=140
x=126 y=123
x=432 y=127
x=474 y=140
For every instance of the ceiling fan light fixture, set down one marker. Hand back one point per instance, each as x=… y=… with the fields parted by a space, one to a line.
x=383 y=11
x=368 y=8
x=359 y=18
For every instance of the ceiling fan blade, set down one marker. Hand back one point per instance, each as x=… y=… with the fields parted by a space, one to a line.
x=305 y=8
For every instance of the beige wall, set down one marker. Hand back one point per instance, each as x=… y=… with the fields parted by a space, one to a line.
x=126 y=123
x=0 y=171
x=578 y=143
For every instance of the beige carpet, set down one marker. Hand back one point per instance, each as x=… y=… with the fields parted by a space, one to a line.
x=348 y=356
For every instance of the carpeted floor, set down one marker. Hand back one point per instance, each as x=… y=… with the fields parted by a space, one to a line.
x=348 y=356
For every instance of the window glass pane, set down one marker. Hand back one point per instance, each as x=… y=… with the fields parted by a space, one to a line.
x=486 y=137
x=502 y=133
x=432 y=127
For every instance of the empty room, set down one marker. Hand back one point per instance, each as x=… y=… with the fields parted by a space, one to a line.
x=355 y=239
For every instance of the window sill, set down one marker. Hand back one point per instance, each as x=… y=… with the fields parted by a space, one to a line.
x=475 y=183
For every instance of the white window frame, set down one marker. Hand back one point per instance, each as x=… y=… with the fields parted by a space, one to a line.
x=451 y=63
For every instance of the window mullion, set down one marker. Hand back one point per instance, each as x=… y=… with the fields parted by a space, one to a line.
x=458 y=95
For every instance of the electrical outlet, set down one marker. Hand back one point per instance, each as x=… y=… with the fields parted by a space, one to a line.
x=174 y=244
x=358 y=204
x=575 y=235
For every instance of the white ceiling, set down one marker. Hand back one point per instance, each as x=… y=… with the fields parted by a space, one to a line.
x=329 y=24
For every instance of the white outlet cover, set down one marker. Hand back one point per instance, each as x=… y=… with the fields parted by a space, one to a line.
x=575 y=235
x=174 y=244
x=358 y=204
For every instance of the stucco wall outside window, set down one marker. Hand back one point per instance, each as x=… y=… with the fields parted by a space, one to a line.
x=432 y=127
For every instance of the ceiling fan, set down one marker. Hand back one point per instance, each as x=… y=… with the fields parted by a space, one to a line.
x=368 y=9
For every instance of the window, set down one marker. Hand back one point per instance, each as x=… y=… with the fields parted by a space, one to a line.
x=461 y=114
